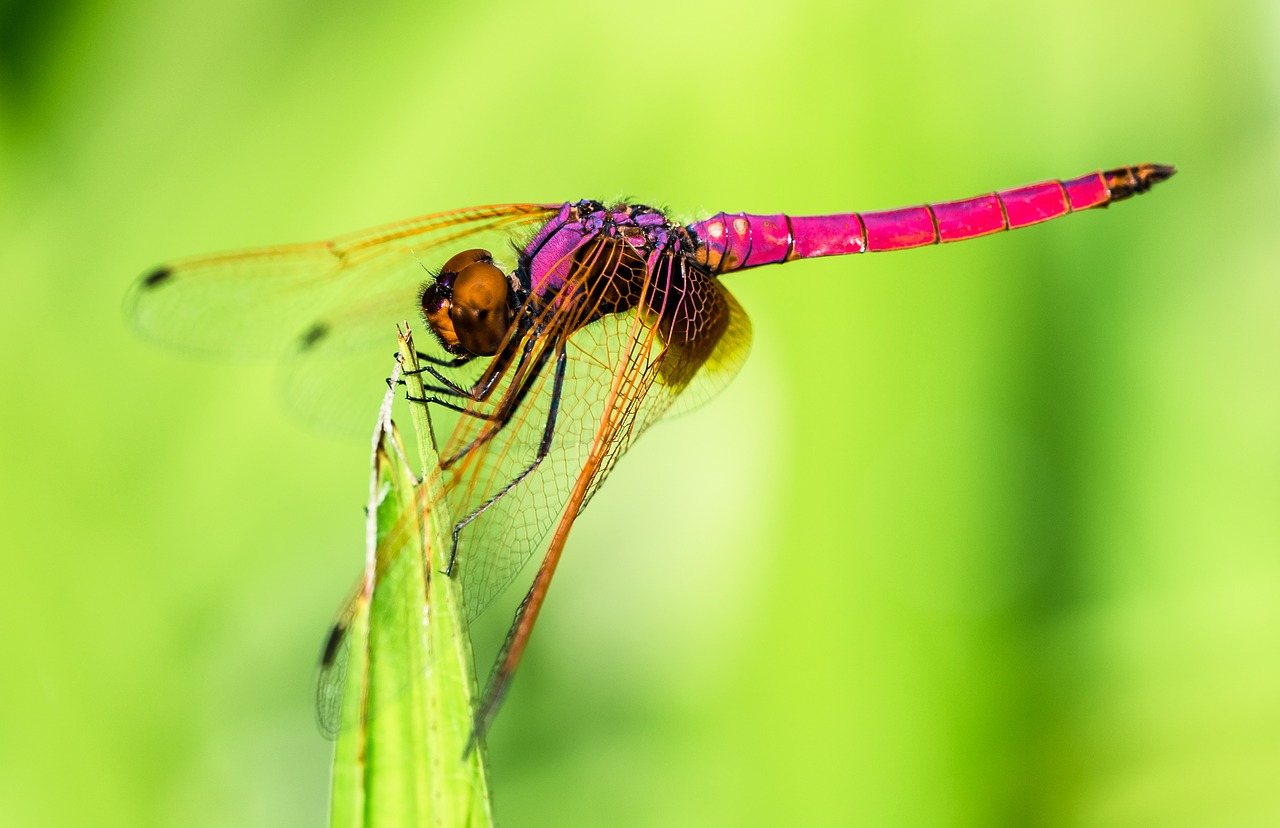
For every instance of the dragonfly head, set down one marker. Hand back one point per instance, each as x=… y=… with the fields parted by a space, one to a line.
x=471 y=305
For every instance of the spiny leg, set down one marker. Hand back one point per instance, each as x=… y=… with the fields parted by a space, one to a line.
x=477 y=393
x=456 y=362
x=423 y=356
x=484 y=385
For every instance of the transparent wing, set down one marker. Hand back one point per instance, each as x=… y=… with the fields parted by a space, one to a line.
x=622 y=373
x=260 y=302
x=327 y=308
x=494 y=547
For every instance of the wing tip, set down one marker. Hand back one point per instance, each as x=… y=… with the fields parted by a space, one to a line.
x=312 y=335
x=328 y=707
x=332 y=642
x=156 y=277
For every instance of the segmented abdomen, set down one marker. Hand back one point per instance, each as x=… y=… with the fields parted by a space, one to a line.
x=733 y=241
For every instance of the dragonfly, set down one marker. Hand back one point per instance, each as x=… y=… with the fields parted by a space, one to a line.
x=559 y=334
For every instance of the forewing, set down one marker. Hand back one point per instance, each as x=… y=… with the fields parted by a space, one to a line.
x=327 y=308
x=260 y=302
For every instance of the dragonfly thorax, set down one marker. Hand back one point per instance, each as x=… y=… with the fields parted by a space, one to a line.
x=581 y=231
x=471 y=305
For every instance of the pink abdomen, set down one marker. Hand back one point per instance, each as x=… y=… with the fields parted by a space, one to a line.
x=735 y=241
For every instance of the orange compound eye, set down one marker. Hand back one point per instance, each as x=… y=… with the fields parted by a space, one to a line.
x=435 y=310
x=470 y=307
x=481 y=311
x=459 y=262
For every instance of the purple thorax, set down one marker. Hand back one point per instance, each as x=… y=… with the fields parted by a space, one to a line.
x=550 y=256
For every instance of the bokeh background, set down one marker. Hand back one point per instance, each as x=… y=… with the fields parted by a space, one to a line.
x=986 y=534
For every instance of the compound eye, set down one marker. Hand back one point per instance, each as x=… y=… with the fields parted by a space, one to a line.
x=482 y=308
x=436 y=302
x=470 y=304
x=459 y=262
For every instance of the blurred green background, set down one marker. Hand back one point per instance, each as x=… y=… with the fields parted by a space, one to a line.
x=985 y=534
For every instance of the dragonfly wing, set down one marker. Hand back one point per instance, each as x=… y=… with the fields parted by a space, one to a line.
x=251 y=303
x=715 y=368
x=331 y=678
x=494 y=548
x=260 y=302
x=327 y=308
x=623 y=372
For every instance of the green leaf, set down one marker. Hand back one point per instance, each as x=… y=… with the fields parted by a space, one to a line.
x=401 y=757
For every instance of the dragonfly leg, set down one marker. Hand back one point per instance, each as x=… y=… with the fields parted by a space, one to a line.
x=456 y=362
x=505 y=408
x=434 y=364
x=484 y=386
x=502 y=413
x=450 y=384
x=500 y=416
x=452 y=406
x=431 y=389
x=544 y=448
x=437 y=400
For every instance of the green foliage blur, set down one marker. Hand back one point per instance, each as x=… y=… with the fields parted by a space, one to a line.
x=984 y=535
